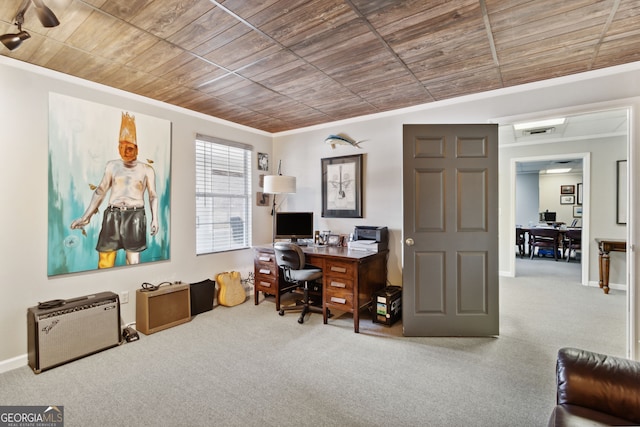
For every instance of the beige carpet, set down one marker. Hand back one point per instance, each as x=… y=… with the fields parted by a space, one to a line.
x=247 y=366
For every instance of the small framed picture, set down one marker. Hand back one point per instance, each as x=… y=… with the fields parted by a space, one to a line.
x=577 y=211
x=263 y=162
x=333 y=240
x=567 y=200
x=567 y=189
x=262 y=199
x=579 y=199
x=621 y=192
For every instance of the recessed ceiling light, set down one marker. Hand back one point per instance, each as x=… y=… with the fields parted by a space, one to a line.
x=559 y=170
x=539 y=124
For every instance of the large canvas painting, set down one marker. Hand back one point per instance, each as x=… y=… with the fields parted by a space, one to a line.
x=109 y=186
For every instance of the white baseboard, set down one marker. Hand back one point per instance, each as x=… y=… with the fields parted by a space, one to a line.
x=13 y=363
x=617 y=286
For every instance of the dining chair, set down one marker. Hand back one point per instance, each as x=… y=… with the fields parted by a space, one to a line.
x=544 y=239
x=573 y=239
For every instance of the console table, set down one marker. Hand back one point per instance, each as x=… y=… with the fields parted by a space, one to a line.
x=349 y=278
x=604 y=247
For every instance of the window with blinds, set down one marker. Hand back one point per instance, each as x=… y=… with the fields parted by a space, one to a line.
x=223 y=195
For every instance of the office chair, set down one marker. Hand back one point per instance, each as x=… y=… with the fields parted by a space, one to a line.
x=291 y=261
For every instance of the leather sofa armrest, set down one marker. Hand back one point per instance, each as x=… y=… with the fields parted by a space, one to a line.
x=597 y=381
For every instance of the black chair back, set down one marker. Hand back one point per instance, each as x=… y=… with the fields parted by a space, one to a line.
x=547 y=238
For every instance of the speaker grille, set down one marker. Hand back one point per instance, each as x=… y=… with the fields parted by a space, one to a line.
x=163 y=308
x=168 y=308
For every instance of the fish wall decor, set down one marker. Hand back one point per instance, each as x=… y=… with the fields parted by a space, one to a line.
x=334 y=140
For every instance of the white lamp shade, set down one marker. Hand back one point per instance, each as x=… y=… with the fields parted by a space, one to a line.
x=277 y=184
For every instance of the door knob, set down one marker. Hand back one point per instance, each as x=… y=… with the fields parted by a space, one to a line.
x=409 y=241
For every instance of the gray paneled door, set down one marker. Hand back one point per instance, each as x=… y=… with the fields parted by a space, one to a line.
x=450 y=273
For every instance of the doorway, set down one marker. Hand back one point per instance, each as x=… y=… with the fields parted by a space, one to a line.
x=537 y=189
x=603 y=135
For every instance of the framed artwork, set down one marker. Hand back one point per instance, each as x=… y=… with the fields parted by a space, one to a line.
x=95 y=151
x=577 y=211
x=567 y=200
x=621 y=192
x=567 y=189
x=262 y=199
x=263 y=162
x=342 y=187
x=333 y=240
x=579 y=200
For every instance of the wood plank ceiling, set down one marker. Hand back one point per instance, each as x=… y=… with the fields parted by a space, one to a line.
x=277 y=65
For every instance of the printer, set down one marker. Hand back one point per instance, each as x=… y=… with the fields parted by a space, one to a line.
x=370 y=238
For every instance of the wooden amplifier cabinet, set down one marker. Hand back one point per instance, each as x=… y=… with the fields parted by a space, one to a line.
x=168 y=306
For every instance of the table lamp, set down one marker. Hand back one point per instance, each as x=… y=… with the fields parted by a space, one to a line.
x=278 y=184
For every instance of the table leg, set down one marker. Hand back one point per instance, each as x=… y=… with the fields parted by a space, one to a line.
x=600 y=282
x=356 y=316
x=605 y=272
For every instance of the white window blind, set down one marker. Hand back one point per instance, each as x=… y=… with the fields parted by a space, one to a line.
x=223 y=195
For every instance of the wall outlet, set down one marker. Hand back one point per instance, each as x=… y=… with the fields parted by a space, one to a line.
x=124 y=297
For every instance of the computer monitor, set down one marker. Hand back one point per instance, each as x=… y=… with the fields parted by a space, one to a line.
x=294 y=225
x=547 y=216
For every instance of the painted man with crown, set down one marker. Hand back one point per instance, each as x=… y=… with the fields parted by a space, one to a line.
x=124 y=224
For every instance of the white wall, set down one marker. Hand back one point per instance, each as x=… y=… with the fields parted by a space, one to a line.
x=23 y=194
x=550 y=192
x=527 y=199
x=23 y=178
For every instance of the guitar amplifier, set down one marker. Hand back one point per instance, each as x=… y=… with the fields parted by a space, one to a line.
x=65 y=330
x=162 y=308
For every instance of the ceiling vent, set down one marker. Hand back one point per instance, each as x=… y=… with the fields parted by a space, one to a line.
x=539 y=131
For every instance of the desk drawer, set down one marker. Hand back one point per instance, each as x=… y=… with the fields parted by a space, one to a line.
x=265 y=270
x=265 y=283
x=264 y=258
x=337 y=268
x=339 y=284
x=340 y=299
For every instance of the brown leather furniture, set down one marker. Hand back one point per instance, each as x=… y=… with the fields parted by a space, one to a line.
x=594 y=389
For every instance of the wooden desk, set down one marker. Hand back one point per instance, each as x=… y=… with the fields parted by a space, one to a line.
x=349 y=278
x=604 y=247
